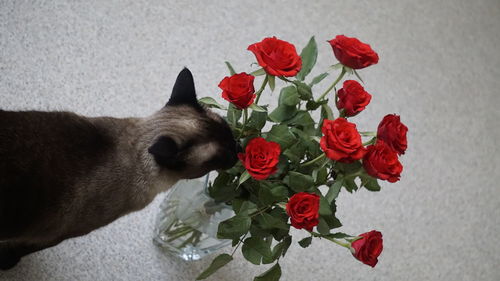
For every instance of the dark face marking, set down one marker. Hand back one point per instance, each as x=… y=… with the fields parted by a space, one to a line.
x=165 y=153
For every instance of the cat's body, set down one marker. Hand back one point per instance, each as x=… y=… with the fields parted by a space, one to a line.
x=63 y=175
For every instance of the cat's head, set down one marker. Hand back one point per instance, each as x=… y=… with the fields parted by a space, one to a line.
x=189 y=139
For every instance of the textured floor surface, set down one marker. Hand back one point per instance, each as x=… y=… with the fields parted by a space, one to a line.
x=439 y=69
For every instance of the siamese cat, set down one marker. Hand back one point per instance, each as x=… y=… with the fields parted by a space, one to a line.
x=63 y=175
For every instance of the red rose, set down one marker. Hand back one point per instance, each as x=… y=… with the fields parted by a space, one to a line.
x=277 y=57
x=352 y=98
x=341 y=141
x=260 y=158
x=368 y=248
x=303 y=209
x=238 y=89
x=353 y=53
x=382 y=162
x=393 y=133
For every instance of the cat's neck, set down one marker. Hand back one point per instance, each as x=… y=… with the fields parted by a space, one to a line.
x=132 y=158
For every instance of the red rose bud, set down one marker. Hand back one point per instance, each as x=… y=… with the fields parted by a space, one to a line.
x=341 y=141
x=381 y=162
x=277 y=57
x=352 y=98
x=260 y=158
x=303 y=209
x=238 y=89
x=393 y=133
x=368 y=248
x=353 y=53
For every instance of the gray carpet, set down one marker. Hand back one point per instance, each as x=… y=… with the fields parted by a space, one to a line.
x=439 y=69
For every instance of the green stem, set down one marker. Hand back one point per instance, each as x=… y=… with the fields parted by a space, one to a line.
x=239 y=243
x=284 y=79
x=189 y=240
x=258 y=212
x=261 y=89
x=372 y=141
x=245 y=118
x=368 y=134
x=180 y=234
x=345 y=245
x=322 y=156
x=333 y=85
x=177 y=230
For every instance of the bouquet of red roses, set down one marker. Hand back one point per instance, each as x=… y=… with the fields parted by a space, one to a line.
x=292 y=173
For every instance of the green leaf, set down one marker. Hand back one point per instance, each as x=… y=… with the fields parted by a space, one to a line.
x=304 y=121
x=230 y=68
x=210 y=102
x=324 y=207
x=305 y=92
x=370 y=183
x=217 y=263
x=287 y=241
x=269 y=194
x=271 y=80
x=304 y=243
x=233 y=114
x=243 y=178
x=309 y=55
x=333 y=191
x=251 y=255
x=282 y=113
x=321 y=176
x=257 y=120
x=258 y=72
x=282 y=135
x=283 y=167
x=299 y=182
x=318 y=79
x=257 y=231
x=323 y=227
x=266 y=221
x=295 y=153
x=289 y=96
x=312 y=105
x=243 y=207
x=257 y=108
x=278 y=249
x=272 y=274
x=234 y=227
x=357 y=75
x=259 y=245
x=332 y=222
x=350 y=168
x=350 y=185
x=223 y=189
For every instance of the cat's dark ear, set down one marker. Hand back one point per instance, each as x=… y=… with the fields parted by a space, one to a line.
x=165 y=152
x=184 y=91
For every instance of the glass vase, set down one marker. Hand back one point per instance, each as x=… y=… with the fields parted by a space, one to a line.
x=187 y=224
